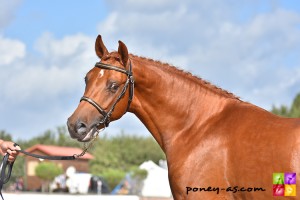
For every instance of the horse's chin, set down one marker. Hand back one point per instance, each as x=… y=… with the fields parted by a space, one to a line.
x=89 y=136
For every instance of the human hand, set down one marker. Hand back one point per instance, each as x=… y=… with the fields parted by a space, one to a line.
x=10 y=148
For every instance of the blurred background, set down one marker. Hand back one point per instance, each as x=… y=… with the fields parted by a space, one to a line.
x=248 y=47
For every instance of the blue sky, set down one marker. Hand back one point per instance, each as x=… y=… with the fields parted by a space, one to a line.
x=249 y=47
x=33 y=18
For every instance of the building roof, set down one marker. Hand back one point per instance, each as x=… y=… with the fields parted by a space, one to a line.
x=51 y=150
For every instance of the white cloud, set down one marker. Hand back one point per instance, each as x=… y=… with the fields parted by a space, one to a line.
x=256 y=57
x=10 y=50
x=207 y=38
x=40 y=88
x=69 y=46
x=61 y=68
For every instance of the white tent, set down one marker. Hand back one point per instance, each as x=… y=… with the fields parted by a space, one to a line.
x=157 y=183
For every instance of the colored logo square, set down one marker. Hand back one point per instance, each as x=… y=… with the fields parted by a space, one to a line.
x=278 y=190
x=289 y=190
x=278 y=178
x=290 y=178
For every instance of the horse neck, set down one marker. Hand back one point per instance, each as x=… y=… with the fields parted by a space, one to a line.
x=170 y=102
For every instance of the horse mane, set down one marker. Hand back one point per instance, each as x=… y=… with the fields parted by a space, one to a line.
x=206 y=84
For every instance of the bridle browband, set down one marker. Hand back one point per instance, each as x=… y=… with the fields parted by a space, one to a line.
x=129 y=83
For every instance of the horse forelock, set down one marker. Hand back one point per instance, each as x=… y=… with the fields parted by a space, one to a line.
x=113 y=55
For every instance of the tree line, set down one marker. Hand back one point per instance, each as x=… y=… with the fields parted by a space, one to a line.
x=114 y=157
x=288 y=111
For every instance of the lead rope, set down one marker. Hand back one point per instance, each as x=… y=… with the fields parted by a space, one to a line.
x=5 y=178
x=6 y=172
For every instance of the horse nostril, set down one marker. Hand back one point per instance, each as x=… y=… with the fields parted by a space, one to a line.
x=81 y=128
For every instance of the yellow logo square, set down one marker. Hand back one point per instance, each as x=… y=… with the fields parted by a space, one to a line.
x=289 y=190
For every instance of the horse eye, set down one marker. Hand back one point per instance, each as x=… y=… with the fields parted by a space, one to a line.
x=114 y=87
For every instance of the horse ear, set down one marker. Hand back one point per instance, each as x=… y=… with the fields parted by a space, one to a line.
x=100 y=47
x=123 y=52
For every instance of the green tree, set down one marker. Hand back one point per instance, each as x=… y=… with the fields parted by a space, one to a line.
x=47 y=171
x=123 y=152
x=295 y=108
x=58 y=137
x=64 y=138
x=5 y=136
x=113 y=176
x=48 y=137
x=285 y=111
x=113 y=155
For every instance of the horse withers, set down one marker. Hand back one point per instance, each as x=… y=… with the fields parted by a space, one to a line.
x=217 y=146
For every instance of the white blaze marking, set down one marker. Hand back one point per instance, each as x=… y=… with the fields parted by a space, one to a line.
x=101 y=73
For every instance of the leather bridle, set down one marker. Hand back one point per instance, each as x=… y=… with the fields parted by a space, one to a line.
x=6 y=167
x=129 y=83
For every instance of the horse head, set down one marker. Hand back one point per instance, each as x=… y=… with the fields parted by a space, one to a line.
x=108 y=93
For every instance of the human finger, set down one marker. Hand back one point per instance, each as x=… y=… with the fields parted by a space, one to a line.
x=11 y=157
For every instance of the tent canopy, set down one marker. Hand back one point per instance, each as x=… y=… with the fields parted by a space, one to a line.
x=157 y=183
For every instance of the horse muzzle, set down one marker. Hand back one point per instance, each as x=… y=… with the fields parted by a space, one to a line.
x=82 y=131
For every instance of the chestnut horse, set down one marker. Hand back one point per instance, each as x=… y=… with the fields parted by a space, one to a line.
x=217 y=146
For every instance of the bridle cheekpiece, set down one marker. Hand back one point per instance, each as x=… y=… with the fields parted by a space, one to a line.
x=129 y=83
